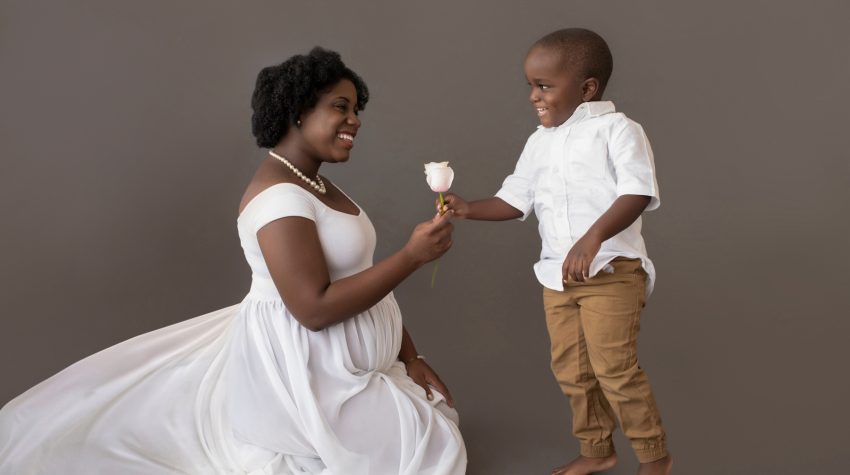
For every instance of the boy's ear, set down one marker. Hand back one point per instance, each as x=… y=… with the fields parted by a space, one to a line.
x=589 y=88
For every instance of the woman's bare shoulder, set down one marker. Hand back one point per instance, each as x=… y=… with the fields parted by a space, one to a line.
x=265 y=177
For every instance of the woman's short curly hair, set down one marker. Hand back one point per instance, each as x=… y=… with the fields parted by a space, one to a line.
x=283 y=92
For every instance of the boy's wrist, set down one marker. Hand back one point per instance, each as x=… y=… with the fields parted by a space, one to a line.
x=594 y=235
x=465 y=211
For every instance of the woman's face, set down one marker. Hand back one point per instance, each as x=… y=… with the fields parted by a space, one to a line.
x=329 y=128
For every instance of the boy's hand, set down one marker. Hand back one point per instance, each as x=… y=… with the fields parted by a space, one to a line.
x=455 y=203
x=577 y=264
x=622 y=213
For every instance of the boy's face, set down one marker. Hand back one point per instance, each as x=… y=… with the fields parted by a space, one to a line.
x=557 y=87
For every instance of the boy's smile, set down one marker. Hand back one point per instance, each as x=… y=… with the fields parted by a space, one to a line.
x=557 y=88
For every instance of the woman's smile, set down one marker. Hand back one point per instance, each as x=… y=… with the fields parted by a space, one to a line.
x=347 y=139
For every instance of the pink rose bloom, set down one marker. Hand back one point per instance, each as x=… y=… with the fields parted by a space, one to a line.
x=439 y=176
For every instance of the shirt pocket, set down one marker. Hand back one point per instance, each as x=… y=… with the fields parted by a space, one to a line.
x=547 y=181
x=587 y=158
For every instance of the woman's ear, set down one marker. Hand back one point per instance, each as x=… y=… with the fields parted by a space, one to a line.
x=589 y=88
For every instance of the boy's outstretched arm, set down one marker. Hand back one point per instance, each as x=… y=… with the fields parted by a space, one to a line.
x=622 y=213
x=490 y=209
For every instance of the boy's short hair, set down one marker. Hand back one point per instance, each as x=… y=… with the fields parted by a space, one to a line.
x=584 y=47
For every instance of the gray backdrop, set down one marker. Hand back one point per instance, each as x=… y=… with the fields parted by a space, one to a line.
x=126 y=146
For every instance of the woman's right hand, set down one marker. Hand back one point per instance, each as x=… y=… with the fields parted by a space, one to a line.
x=454 y=203
x=431 y=239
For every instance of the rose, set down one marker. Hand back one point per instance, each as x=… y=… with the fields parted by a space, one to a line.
x=439 y=176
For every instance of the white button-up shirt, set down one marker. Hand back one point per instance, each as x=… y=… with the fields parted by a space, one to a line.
x=571 y=174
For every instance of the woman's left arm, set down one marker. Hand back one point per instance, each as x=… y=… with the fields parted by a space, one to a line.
x=419 y=371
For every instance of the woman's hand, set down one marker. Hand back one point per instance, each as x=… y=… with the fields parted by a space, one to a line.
x=431 y=239
x=453 y=203
x=423 y=375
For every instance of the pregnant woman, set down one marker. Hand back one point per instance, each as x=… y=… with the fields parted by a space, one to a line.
x=313 y=372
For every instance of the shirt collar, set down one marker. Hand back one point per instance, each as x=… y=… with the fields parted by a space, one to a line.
x=585 y=111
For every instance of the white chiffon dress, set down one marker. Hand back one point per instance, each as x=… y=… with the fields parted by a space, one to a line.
x=245 y=389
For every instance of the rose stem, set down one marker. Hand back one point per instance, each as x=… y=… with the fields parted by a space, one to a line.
x=437 y=263
x=434 y=273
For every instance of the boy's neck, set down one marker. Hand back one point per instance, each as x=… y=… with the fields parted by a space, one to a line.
x=582 y=111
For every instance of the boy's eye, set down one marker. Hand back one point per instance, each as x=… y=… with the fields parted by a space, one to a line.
x=543 y=87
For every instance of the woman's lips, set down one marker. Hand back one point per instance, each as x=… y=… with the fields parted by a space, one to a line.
x=346 y=139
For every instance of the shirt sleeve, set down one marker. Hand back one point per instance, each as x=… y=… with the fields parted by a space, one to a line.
x=281 y=202
x=518 y=188
x=634 y=164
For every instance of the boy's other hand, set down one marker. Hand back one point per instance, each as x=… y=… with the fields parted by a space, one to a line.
x=455 y=203
x=577 y=264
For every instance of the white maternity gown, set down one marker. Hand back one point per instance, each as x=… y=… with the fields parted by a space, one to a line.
x=245 y=389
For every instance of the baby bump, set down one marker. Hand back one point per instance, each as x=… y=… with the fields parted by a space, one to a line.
x=373 y=338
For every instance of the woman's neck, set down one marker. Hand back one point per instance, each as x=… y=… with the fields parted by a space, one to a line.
x=303 y=161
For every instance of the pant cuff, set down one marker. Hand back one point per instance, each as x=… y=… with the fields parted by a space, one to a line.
x=597 y=451
x=651 y=454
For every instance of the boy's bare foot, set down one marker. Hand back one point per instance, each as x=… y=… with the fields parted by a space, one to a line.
x=658 y=467
x=585 y=465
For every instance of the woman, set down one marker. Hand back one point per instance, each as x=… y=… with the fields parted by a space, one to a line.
x=312 y=373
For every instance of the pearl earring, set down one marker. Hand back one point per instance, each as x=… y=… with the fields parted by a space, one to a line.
x=298 y=122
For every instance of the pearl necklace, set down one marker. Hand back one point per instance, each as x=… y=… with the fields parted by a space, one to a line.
x=320 y=186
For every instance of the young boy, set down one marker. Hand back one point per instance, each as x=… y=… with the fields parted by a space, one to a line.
x=588 y=173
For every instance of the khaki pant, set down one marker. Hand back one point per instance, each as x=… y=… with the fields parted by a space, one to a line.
x=593 y=327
